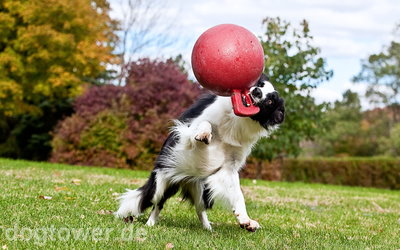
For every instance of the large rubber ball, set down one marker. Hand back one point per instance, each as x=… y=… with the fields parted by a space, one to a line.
x=227 y=57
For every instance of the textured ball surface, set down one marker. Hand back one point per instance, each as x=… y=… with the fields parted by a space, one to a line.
x=227 y=57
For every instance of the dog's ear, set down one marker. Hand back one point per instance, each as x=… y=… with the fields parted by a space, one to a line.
x=263 y=78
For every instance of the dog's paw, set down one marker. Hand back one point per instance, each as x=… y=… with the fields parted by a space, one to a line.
x=208 y=227
x=204 y=137
x=129 y=219
x=250 y=226
x=150 y=222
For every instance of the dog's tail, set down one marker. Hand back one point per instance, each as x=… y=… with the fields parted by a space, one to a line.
x=135 y=202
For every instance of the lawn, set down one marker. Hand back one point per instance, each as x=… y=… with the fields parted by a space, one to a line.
x=59 y=206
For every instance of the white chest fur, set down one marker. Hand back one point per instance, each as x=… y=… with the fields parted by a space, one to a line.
x=232 y=140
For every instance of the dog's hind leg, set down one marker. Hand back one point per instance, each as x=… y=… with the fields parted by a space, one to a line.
x=195 y=192
x=154 y=193
x=201 y=213
x=135 y=202
x=159 y=203
x=163 y=193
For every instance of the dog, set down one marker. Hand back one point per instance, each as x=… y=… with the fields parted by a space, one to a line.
x=203 y=154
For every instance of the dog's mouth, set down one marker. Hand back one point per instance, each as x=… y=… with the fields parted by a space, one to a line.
x=256 y=101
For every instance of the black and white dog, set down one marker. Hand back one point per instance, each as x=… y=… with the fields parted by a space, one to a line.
x=202 y=156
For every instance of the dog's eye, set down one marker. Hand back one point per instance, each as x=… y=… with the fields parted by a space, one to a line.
x=269 y=102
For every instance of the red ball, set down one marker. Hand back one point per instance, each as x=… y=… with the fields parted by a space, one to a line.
x=227 y=57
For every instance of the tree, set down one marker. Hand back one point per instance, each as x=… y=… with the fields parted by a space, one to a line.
x=381 y=72
x=49 y=50
x=390 y=145
x=343 y=134
x=295 y=68
x=349 y=131
x=143 y=24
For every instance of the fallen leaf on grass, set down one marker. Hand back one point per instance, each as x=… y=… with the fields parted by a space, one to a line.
x=104 y=212
x=56 y=174
x=58 y=189
x=169 y=246
x=82 y=216
x=136 y=181
x=69 y=198
x=58 y=181
x=378 y=208
x=76 y=182
x=45 y=197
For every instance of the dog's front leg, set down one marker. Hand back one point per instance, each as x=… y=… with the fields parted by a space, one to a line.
x=239 y=210
x=226 y=185
x=239 y=207
x=203 y=132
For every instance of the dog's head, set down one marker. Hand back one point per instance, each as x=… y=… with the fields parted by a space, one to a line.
x=272 y=107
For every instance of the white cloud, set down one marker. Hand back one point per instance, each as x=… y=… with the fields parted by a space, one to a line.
x=344 y=30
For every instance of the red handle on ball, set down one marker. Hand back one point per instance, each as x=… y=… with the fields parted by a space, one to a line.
x=243 y=104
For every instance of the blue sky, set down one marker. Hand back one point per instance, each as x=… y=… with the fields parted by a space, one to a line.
x=346 y=31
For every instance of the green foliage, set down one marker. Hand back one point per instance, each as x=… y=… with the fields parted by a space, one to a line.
x=28 y=136
x=295 y=68
x=352 y=132
x=382 y=70
x=96 y=140
x=390 y=145
x=104 y=132
x=367 y=172
x=381 y=172
x=342 y=132
x=49 y=50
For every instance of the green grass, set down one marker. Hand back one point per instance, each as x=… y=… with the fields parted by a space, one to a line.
x=292 y=215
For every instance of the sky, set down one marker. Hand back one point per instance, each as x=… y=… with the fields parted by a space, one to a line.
x=345 y=31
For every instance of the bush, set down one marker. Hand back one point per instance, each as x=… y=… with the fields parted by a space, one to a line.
x=125 y=126
x=368 y=172
x=28 y=136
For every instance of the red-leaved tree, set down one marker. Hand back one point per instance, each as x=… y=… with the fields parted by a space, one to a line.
x=125 y=126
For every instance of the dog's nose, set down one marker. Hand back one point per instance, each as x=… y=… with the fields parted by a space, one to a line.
x=256 y=93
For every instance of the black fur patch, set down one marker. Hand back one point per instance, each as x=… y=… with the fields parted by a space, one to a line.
x=169 y=192
x=208 y=202
x=186 y=195
x=192 y=112
x=260 y=83
x=170 y=142
x=272 y=111
x=197 y=108
x=147 y=190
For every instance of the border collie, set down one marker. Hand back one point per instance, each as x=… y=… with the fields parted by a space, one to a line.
x=203 y=154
